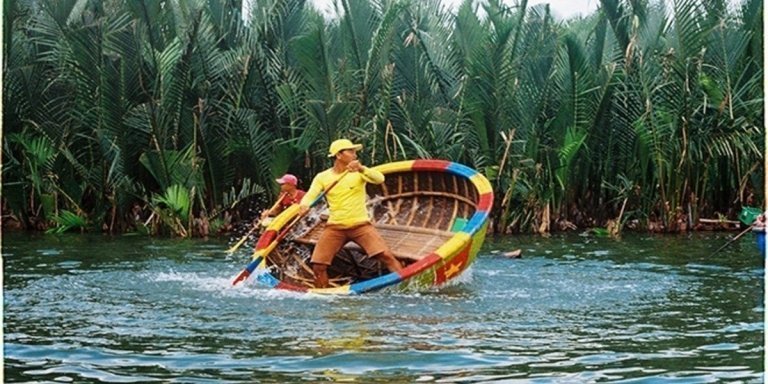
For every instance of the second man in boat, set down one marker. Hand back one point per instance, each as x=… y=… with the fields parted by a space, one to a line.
x=289 y=194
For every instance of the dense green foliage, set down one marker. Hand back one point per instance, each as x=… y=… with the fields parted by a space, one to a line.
x=643 y=110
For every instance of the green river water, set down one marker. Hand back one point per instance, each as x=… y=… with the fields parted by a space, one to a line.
x=573 y=309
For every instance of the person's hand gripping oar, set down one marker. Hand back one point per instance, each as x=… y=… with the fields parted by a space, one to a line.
x=258 y=257
x=255 y=226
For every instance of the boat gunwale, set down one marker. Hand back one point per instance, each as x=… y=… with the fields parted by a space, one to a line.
x=461 y=239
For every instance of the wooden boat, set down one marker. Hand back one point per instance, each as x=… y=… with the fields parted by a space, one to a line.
x=432 y=213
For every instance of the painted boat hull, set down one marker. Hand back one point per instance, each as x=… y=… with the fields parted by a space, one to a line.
x=434 y=267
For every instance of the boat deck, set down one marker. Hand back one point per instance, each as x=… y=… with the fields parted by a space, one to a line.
x=410 y=243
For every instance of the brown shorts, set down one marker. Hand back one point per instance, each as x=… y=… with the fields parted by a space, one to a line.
x=334 y=237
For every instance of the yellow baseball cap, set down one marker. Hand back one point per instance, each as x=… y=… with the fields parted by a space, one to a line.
x=342 y=144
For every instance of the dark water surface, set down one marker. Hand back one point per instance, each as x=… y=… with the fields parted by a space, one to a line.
x=574 y=309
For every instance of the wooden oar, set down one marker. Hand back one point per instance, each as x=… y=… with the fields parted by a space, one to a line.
x=732 y=240
x=255 y=262
x=237 y=245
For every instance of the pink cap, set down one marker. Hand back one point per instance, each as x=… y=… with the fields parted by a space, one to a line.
x=288 y=179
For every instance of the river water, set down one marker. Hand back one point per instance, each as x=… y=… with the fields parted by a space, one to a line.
x=573 y=309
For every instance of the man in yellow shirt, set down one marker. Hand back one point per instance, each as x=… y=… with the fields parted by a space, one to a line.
x=348 y=219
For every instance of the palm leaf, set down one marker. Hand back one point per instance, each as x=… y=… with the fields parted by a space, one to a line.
x=176 y=199
x=67 y=220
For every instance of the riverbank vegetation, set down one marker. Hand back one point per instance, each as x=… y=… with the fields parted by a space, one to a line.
x=170 y=116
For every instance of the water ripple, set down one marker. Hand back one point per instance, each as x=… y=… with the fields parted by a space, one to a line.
x=572 y=310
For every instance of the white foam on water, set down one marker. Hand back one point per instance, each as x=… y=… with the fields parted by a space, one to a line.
x=199 y=280
x=493 y=272
x=465 y=277
x=279 y=294
x=50 y=252
x=222 y=284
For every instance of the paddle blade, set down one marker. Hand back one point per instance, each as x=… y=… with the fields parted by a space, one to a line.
x=242 y=276
x=247 y=271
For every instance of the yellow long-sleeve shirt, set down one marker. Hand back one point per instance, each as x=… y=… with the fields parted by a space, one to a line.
x=346 y=200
